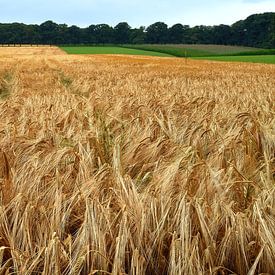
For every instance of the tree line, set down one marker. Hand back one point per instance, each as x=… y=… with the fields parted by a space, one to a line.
x=257 y=30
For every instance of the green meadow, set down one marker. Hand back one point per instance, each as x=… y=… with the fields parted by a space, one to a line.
x=268 y=59
x=207 y=52
x=111 y=50
x=201 y=50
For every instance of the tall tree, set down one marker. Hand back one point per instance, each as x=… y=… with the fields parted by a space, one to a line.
x=176 y=34
x=122 y=33
x=49 y=32
x=104 y=34
x=200 y=35
x=257 y=30
x=138 y=36
x=91 y=34
x=63 y=35
x=74 y=34
x=272 y=33
x=157 y=33
x=221 y=35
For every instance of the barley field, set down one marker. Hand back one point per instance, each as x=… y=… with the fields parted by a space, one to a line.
x=135 y=165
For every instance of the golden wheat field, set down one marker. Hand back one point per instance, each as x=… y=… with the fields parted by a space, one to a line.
x=135 y=165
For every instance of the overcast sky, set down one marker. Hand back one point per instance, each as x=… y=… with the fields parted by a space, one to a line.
x=136 y=12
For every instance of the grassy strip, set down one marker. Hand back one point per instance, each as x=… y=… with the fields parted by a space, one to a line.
x=171 y=50
x=214 y=48
x=268 y=59
x=181 y=51
x=111 y=50
x=255 y=56
x=269 y=52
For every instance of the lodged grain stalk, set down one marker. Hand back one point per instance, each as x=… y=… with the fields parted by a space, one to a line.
x=133 y=165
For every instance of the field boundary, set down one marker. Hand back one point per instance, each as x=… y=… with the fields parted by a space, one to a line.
x=24 y=45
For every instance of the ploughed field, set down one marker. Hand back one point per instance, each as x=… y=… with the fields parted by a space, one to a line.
x=135 y=165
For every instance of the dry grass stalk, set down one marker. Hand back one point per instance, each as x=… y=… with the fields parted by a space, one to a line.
x=136 y=165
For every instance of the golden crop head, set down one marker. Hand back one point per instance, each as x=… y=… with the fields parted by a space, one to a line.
x=135 y=165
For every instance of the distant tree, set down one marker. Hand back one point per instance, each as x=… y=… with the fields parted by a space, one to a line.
x=157 y=33
x=200 y=35
x=4 y=33
x=16 y=33
x=122 y=32
x=272 y=33
x=74 y=35
x=104 y=34
x=63 y=36
x=91 y=34
x=257 y=30
x=176 y=34
x=138 y=36
x=186 y=34
x=33 y=35
x=221 y=35
x=49 y=32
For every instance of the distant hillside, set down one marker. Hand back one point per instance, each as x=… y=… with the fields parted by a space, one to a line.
x=257 y=30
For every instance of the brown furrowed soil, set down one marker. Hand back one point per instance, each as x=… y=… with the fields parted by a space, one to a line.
x=135 y=165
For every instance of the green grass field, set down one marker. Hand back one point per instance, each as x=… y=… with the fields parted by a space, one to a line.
x=215 y=49
x=174 y=50
x=200 y=50
x=268 y=59
x=111 y=50
x=208 y=52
